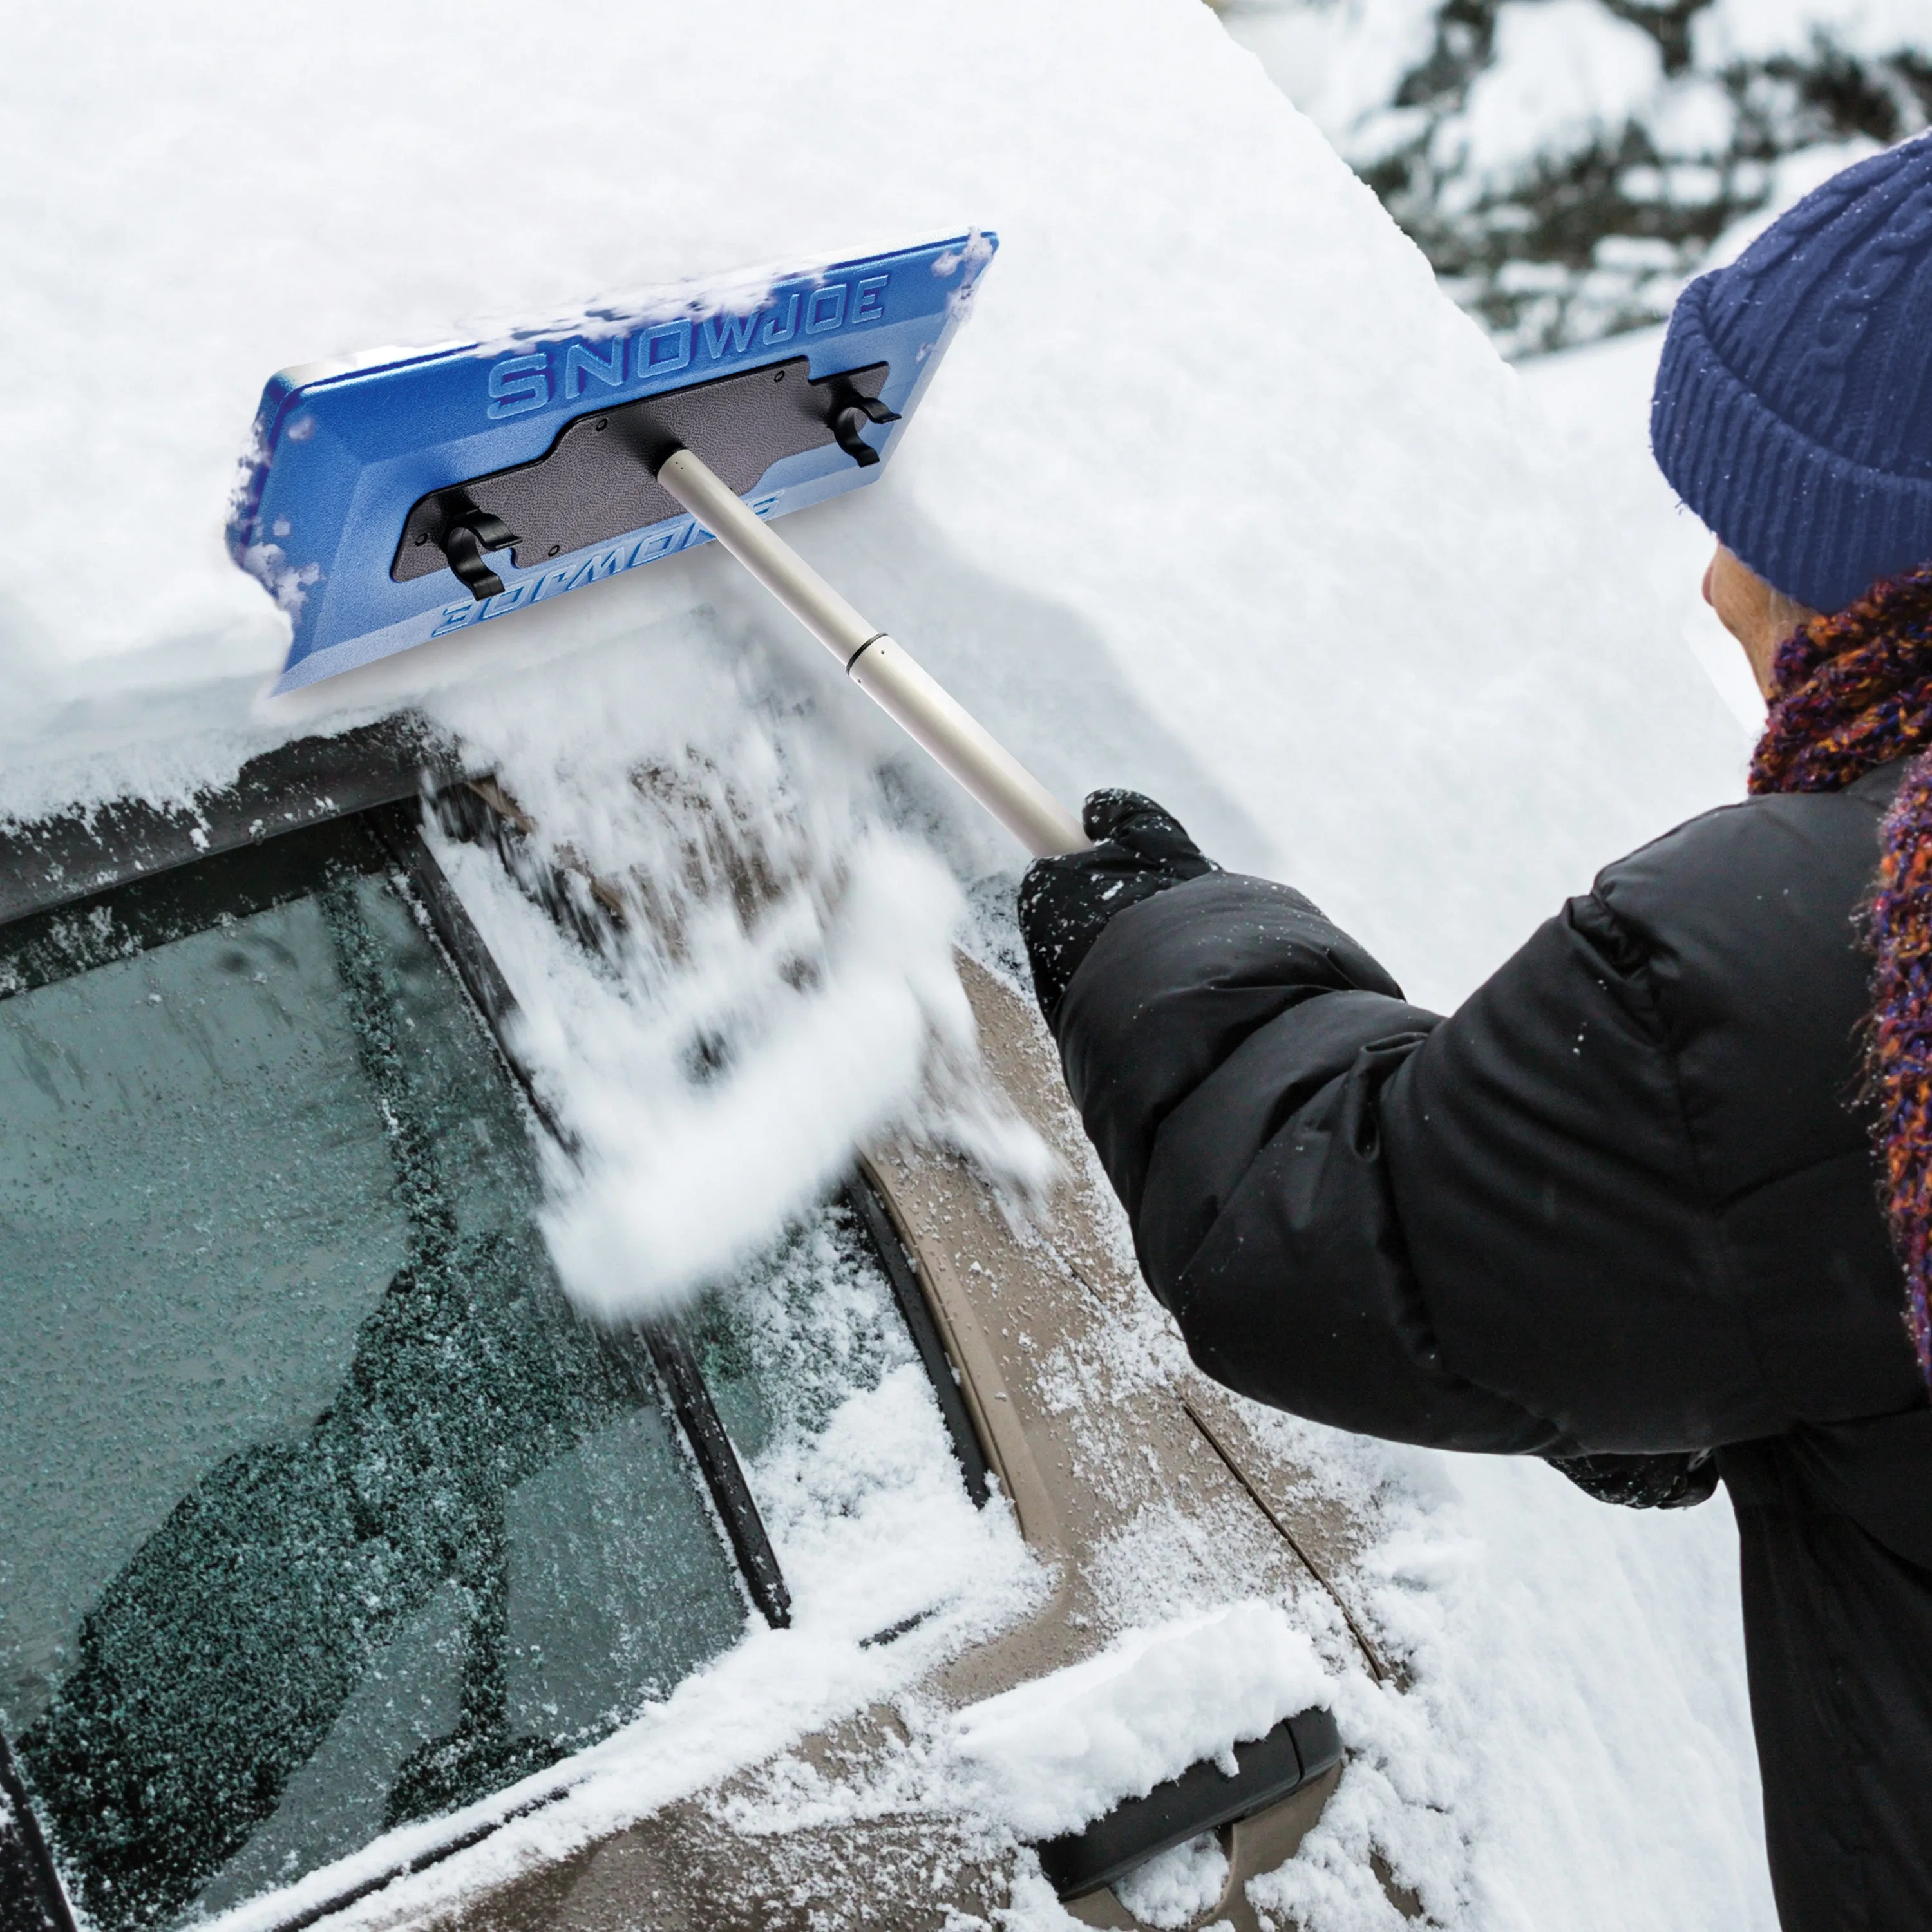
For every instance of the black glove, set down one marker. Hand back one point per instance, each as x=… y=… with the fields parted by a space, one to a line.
x=1674 y=1480
x=1066 y=902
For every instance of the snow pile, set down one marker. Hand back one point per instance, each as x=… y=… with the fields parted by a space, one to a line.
x=1348 y=502
x=1052 y=1754
x=1565 y=162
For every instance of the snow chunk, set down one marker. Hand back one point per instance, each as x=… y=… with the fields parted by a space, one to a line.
x=1173 y=1890
x=1052 y=1754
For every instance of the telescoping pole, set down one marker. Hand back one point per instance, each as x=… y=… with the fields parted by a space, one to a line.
x=879 y=667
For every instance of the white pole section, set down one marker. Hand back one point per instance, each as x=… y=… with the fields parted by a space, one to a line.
x=879 y=667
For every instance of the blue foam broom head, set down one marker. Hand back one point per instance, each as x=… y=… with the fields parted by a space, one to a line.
x=401 y=495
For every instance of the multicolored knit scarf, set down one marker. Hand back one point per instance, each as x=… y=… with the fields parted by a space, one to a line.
x=1851 y=692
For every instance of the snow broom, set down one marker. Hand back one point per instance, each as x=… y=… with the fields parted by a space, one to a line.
x=399 y=496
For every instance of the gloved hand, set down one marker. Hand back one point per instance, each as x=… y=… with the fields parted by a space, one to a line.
x=1066 y=902
x=1675 y=1480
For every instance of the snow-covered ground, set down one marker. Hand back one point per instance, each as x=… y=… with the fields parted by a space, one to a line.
x=1217 y=495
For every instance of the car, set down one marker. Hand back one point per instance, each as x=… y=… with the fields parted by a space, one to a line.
x=350 y=1572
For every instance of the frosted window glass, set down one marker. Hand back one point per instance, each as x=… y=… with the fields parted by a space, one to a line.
x=319 y=1511
x=802 y=1329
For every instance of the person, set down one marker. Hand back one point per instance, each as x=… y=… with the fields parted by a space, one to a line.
x=1655 y=1203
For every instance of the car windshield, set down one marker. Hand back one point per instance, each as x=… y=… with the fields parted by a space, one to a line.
x=320 y=1510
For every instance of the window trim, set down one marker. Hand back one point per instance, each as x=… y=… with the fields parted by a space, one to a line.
x=76 y=855
x=23 y=1849
x=901 y=1269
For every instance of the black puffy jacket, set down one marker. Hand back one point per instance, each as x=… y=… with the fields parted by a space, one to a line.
x=1622 y=1200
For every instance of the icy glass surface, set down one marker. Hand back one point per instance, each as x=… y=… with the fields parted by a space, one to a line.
x=809 y=1325
x=319 y=1511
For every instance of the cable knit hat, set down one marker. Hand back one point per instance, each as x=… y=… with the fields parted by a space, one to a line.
x=1793 y=408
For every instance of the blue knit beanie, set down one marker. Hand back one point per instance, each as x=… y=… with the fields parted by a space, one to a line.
x=1793 y=408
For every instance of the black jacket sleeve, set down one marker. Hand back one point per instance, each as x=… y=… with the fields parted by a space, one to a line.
x=1229 y=1049
x=1493 y=1231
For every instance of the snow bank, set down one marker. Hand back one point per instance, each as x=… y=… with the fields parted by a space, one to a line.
x=1050 y=1755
